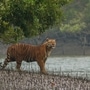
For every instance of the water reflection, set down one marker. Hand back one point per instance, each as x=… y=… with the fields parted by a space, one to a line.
x=59 y=64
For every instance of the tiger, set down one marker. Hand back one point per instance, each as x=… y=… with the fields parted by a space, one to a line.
x=27 y=52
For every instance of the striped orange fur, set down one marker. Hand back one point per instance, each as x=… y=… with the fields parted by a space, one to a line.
x=29 y=53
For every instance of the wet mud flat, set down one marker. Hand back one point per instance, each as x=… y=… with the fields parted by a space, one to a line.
x=13 y=80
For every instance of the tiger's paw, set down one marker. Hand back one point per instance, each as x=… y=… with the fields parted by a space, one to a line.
x=44 y=72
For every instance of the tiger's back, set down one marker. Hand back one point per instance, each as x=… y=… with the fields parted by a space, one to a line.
x=26 y=52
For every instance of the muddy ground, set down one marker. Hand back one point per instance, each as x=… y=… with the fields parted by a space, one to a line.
x=13 y=80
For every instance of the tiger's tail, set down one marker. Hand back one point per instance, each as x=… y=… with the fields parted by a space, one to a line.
x=0 y=65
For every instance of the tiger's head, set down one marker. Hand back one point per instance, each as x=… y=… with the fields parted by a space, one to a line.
x=50 y=43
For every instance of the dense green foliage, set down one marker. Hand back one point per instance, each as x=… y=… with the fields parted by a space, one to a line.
x=77 y=21
x=26 y=18
x=77 y=17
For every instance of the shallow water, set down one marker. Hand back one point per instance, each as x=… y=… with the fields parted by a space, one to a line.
x=57 y=64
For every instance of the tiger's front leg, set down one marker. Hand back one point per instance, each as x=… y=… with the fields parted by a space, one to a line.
x=42 y=66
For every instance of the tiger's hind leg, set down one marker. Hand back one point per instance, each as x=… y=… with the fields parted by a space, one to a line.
x=18 y=64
